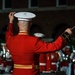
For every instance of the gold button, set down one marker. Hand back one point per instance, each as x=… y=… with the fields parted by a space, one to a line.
x=48 y=57
x=49 y=68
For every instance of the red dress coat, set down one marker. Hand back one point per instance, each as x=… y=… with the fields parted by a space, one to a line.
x=25 y=50
x=42 y=62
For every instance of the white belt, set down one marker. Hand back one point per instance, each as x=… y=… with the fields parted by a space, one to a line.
x=42 y=64
x=53 y=63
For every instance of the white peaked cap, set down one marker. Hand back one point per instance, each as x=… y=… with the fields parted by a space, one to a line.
x=27 y=16
x=39 y=35
x=67 y=46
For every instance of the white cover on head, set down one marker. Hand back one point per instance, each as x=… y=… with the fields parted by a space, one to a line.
x=67 y=46
x=39 y=34
x=27 y=16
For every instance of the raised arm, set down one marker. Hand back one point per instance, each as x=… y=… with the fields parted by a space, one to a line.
x=9 y=32
x=59 y=43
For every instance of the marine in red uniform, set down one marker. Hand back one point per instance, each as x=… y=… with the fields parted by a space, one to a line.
x=48 y=62
x=25 y=49
x=42 y=56
x=52 y=59
x=42 y=62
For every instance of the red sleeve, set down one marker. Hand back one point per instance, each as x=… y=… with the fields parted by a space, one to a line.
x=42 y=46
x=9 y=31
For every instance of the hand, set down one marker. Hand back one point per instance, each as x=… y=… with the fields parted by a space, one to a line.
x=11 y=16
x=69 y=31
